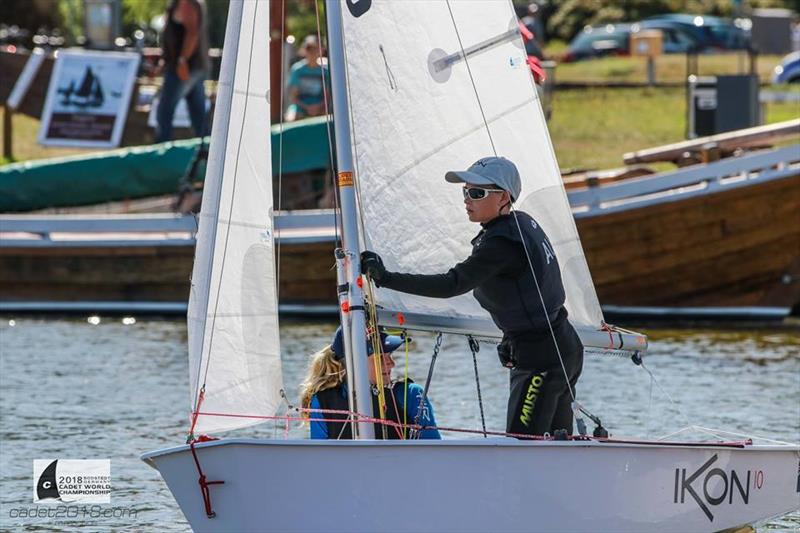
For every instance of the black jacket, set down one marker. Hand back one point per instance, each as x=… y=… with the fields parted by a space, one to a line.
x=499 y=273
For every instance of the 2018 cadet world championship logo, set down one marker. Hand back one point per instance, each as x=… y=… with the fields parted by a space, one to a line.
x=714 y=486
x=72 y=480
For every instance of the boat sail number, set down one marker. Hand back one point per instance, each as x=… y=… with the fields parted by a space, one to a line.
x=709 y=486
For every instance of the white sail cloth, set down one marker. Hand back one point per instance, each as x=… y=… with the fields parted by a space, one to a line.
x=234 y=349
x=420 y=109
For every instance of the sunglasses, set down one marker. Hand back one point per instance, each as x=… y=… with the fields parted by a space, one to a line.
x=476 y=193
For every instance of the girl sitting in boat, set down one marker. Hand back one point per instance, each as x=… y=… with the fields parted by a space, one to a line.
x=325 y=388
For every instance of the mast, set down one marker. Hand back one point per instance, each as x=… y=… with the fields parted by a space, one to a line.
x=357 y=358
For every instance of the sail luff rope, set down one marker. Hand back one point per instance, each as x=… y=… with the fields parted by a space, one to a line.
x=277 y=239
x=370 y=303
x=357 y=173
x=211 y=259
x=328 y=117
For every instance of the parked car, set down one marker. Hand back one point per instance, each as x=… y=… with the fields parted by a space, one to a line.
x=789 y=69
x=710 y=32
x=599 y=41
x=677 y=38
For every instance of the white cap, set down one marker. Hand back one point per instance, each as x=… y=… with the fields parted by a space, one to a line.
x=490 y=171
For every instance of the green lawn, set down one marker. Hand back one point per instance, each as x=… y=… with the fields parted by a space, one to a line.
x=593 y=128
x=590 y=128
x=24 y=146
x=670 y=68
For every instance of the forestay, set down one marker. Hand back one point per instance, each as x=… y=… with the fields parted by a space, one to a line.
x=232 y=317
x=434 y=86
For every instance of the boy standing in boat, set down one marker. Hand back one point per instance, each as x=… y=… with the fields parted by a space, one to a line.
x=325 y=389
x=514 y=274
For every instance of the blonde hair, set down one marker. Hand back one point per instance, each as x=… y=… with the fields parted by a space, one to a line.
x=324 y=372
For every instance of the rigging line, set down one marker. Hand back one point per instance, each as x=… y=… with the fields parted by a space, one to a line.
x=235 y=173
x=673 y=402
x=400 y=434
x=650 y=408
x=516 y=220
x=377 y=348
x=357 y=176
x=422 y=406
x=471 y=77
x=544 y=307
x=277 y=239
x=474 y=347
x=405 y=389
x=748 y=435
x=328 y=115
x=233 y=193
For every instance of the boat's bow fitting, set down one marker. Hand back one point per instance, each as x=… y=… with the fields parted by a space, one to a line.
x=204 y=484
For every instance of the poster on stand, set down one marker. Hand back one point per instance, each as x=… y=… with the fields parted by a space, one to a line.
x=88 y=98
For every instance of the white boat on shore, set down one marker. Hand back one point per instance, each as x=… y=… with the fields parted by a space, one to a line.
x=390 y=185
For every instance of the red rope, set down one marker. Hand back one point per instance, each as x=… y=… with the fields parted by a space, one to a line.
x=363 y=418
x=610 y=330
x=204 y=484
x=200 y=397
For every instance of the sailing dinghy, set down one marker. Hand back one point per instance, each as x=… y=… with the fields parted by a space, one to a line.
x=425 y=87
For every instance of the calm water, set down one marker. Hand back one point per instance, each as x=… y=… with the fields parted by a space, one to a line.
x=107 y=388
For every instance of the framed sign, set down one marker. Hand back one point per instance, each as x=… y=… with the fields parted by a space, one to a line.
x=88 y=98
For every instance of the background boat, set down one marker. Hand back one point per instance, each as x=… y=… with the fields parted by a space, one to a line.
x=716 y=240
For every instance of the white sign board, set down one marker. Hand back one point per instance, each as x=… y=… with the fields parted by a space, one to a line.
x=88 y=98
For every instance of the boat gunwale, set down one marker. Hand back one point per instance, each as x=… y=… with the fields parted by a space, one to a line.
x=488 y=442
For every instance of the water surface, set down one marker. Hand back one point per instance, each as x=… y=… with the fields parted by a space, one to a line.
x=113 y=388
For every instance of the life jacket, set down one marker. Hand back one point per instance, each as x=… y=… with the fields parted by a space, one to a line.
x=336 y=399
x=513 y=300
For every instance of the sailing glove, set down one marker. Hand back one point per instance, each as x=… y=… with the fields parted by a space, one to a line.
x=505 y=352
x=372 y=264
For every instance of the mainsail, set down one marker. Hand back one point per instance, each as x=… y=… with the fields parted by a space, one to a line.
x=234 y=355
x=451 y=87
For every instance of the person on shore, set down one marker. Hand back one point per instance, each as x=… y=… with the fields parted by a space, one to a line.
x=514 y=274
x=325 y=388
x=305 y=87
x=185 y=66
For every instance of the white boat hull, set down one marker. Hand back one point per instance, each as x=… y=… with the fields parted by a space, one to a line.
x=480 y=485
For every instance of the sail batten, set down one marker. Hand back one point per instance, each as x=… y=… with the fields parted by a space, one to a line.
x=234 y=355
